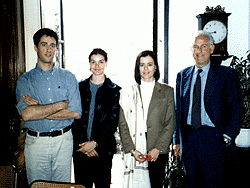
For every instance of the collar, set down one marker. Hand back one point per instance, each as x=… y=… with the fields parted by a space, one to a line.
x=107 y=82
x=41 y=71
x=205 y=69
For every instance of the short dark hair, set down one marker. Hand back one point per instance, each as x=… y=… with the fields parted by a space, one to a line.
x=100 y=51
x=137 y=65
x=44 y=31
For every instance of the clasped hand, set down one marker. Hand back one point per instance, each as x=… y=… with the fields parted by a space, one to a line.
x=154 y=153
x=88 y=148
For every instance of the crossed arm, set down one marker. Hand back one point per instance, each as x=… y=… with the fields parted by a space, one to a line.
x=55 y=111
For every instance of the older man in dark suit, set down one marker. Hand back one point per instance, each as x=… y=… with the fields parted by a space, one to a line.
x=209 y=112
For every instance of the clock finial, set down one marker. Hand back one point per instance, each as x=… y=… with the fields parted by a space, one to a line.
x=214 y=10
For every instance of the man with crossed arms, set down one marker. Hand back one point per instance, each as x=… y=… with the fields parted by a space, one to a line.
x=48 y=99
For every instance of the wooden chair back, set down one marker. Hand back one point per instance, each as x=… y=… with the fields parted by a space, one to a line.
x=46 y=184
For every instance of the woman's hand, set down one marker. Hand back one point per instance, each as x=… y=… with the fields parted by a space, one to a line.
x=138 y=156
x=154 y=153
x=92 y=153
x=87 y=147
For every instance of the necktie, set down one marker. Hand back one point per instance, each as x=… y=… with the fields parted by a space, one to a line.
x=196 y=107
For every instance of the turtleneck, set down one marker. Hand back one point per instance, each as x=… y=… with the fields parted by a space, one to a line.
x=146 y=93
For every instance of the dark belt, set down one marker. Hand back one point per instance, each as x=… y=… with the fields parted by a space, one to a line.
x=202 y=127
x=51 y=134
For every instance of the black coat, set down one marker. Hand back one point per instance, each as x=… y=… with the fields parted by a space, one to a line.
x=105 y=120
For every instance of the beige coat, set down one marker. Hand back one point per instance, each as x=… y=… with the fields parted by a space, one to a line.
x=160 y=121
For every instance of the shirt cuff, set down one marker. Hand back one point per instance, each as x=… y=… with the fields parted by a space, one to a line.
x=228 y=137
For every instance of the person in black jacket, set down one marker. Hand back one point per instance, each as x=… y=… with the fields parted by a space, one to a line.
x=94 y=141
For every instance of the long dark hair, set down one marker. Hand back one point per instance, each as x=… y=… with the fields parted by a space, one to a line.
x=137 y=66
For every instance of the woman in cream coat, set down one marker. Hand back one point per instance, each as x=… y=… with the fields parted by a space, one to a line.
x=146 y=124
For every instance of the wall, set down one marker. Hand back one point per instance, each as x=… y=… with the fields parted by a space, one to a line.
x=238 y=27
x=122 y=28
x=32 y=22
x=184 y=24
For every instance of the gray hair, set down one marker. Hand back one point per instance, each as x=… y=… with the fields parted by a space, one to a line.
x=206 y=34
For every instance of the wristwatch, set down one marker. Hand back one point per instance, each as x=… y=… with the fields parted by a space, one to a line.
x=227 y=141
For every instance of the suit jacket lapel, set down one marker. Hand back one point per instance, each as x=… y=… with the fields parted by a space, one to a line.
x=187 y=80
x=211 y=84
x=154 y=99
x=212 y=79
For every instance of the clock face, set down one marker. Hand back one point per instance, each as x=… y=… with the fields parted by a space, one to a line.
x=217 y=29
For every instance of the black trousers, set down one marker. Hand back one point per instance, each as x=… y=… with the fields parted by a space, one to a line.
x=157 y=171
x=95 y=170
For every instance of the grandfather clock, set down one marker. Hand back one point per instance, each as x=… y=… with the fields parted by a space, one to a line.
x=215 y=21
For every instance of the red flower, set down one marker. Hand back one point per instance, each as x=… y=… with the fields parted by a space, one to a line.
x=148 y=158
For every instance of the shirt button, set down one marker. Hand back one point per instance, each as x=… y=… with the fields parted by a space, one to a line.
x=47 y=78
x=50 y=100
x=49 y=89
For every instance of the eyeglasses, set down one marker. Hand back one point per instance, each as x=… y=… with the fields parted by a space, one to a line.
x=202 y=47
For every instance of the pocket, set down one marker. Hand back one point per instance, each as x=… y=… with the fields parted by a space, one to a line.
x=69 y=135
x=68 y=141
x=30 y=140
